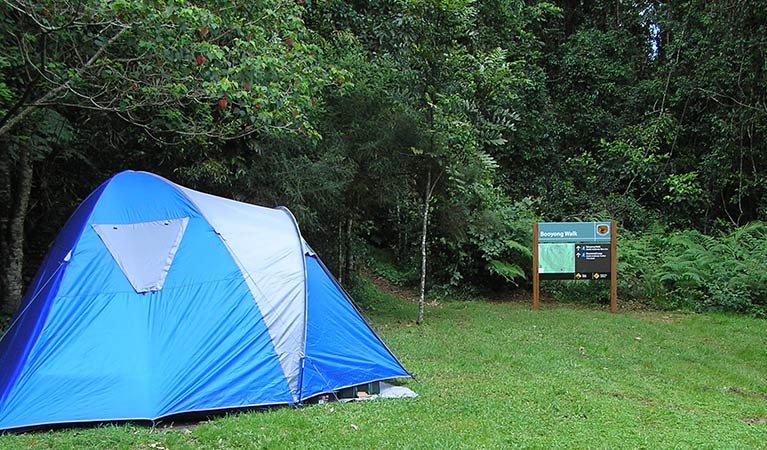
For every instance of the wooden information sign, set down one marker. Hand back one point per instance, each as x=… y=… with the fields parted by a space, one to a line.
x=575 y=251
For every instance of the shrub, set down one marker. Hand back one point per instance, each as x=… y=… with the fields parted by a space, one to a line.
x=685 y=270
x=688 y=269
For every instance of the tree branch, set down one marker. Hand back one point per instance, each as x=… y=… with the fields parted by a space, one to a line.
x=13 y=121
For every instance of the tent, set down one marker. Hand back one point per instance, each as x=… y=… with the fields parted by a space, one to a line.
x=156 y=300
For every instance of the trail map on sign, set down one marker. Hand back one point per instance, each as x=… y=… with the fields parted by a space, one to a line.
x=556 y=258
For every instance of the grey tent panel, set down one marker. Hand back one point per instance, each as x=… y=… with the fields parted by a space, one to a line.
x=145 y=250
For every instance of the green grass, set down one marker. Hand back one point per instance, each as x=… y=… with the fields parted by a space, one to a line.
x=498 y=375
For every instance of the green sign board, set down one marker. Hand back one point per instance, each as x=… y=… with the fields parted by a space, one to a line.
x=574 y=250
x=574 y=232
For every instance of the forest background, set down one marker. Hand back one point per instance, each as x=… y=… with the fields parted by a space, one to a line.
x=418 y=139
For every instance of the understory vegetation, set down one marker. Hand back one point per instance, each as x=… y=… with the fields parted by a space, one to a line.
x=690 y=270
x=499 y=375
x=663 y=268
x=686 y=270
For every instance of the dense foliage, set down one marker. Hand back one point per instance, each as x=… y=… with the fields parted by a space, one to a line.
x=392 y=127
x=686 y=269
x=691 y=270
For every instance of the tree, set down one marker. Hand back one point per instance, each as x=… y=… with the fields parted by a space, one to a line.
x=454 y=86
x=716 y=88
x=179 y=72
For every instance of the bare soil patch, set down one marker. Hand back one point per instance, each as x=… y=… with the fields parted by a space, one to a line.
x=755 y=420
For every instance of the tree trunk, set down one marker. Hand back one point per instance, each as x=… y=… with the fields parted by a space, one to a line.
x=570 y=12
x=426 y=200
x=400 y=245
x=340 y=252
x=14 y=262
x=5 y=214
x=348 y=259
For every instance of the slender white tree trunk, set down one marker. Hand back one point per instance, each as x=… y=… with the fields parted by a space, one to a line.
x=426 y=200
x=348 y=255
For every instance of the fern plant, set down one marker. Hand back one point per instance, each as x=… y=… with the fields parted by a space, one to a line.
x=693 y=270
x=508 y=271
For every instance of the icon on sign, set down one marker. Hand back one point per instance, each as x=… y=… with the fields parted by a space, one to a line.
x=603 y=229
x=577 y=276
x=596 y=276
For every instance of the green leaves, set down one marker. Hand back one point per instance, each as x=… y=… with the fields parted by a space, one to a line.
x=683 y=188
x=693 y=270
x=509 y=272
x=139 y=60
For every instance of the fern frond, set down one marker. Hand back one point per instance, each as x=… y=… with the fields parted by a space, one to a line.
x=487 y=160
x=507 y=270
x=514 y=245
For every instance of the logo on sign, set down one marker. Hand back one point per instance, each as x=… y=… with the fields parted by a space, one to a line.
x=603 y=229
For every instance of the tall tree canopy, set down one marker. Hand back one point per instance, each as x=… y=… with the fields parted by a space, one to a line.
x=180 y=74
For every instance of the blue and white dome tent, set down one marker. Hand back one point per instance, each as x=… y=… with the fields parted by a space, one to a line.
x=156 y=300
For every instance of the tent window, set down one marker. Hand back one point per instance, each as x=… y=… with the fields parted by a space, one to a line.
x=145 y=250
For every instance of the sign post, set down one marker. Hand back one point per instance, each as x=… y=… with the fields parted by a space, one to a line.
x=614 y=269
x=575 y=251
x=536 y=279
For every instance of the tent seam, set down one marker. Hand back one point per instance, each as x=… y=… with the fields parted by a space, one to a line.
x=302 y=356
x=247 y=275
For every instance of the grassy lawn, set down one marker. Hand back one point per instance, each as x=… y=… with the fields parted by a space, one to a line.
x=498 y=375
